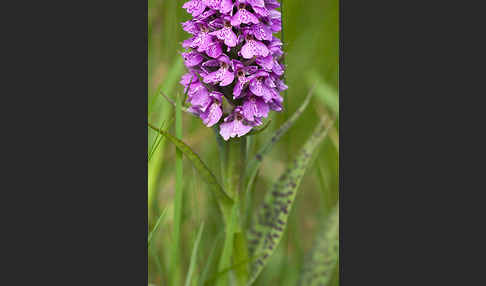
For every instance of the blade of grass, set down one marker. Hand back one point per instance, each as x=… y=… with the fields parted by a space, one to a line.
x=271 y=218
x=156 y=227
x=159 y=139
x=157 y=158
x=223 y=199
x=151 y=149
x=192 y=263
x=320 y=267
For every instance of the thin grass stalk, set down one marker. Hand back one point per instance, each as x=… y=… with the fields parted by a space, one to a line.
x=195 y=249
x=157 y=158
x=178 y=200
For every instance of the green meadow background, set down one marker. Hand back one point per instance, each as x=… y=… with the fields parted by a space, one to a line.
x=311 y=43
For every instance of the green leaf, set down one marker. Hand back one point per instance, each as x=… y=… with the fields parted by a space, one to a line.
x=218 y=191
x=270 y=219
x=255 y=163
x=192 y=264
x=321 y=265
x=154 y=230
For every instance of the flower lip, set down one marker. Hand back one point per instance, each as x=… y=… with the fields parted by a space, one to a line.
x=241 y=6
x=240 y=73
x=239 y=117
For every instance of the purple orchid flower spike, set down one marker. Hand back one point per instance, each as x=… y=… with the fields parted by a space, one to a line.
x=233 y=56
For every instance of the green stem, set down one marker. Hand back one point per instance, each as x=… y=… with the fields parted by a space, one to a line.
x=225 y=259
x=234 y=152
x=234 y=166
x=241 y=254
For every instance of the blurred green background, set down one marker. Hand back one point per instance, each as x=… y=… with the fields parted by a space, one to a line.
x=311 y=44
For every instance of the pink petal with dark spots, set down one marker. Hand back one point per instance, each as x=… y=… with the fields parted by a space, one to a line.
x=234 y=128
x=265 y=62
x=212 y=115
x=243 y=16
x=214 y=50
x=254 y=48
x=227 y=35
x=192 y=59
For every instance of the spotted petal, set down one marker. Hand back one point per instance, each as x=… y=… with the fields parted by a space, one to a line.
x=243 y=16
x=194 y=7
x=254 y=48
x=255 y=107
x=212 y=114
x=213 y=4
x=227 y=35
x=223 y=76
x=234 y=128
x=192 y=59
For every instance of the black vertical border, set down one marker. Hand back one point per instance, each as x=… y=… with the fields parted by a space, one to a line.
x=81 y=217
